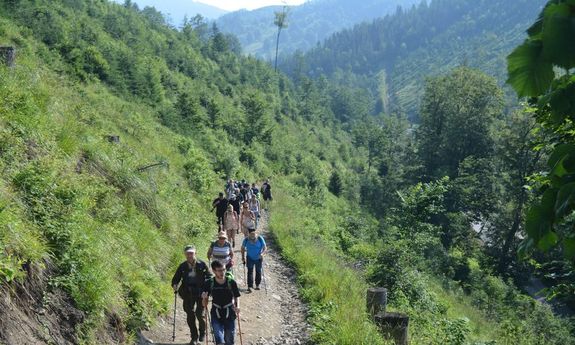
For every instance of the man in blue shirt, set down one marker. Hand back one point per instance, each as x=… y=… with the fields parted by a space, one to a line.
x=255 y=247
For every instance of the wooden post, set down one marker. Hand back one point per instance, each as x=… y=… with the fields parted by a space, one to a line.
x=376 y=301
x=393 y=326
x=7 y=55
x=114 y=139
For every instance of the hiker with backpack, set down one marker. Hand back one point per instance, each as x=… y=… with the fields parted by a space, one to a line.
x=247 y=219
x=225 y=304
x=192 y=274
x=254 y=205
x=255 y=190
x=221 y=250
x=253 y=248
x=267 y=192
x=231 y=224
x=220 y=204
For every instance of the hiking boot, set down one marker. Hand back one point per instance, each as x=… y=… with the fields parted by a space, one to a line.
x=257 y=287
x=193 y=342
x=201 y=338
x=249 y=290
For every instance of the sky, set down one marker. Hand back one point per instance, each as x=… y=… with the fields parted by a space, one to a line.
x=233 y=5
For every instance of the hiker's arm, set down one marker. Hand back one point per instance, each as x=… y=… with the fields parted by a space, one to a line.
x=237 y=305
x=236 y=293
x=209 y=253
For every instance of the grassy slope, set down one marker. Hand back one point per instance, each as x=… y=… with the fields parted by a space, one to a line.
x=69 y=196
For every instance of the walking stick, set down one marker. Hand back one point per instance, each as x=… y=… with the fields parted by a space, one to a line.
x=211 y=328
x=206 y=321
x=264 y=277
x=175 y=306
x=240 y=329
x=245 y=273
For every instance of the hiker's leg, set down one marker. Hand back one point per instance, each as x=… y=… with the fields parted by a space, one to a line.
x=189 y=303
x=232 y=236
x=259 y=271
x=230 y=331
x=218 y=329
x=200 y=317
x=250 y=265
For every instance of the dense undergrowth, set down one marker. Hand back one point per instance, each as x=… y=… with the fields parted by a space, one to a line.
x=113 y=217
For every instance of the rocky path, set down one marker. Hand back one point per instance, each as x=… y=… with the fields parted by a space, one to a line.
x=272 y=318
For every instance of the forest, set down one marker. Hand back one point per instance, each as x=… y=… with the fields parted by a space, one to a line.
x=456 y=203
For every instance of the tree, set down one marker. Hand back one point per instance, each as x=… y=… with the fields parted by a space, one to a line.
x=457 y=114
x=540 y=68
x=335 y=183
x=281 y=22
x=257 y=120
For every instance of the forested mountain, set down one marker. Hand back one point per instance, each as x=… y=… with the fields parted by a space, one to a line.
x=308 y=24
x=176 y=10
x=117 y=131
x=393 y=55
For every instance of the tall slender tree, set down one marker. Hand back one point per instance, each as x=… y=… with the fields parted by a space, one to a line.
x=281 y=22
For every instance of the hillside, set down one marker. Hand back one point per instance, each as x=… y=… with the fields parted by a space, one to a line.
x=308 y=24
x=117 y=131
x=176 y=10
x=393 y=55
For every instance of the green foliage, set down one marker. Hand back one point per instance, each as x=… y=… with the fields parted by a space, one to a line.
x=539 y=68
x=457 y=113
x=398 y=52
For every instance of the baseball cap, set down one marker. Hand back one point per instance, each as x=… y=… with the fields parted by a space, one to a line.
x=189 y=249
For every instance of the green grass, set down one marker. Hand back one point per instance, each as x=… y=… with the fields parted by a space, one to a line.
x=335 y=293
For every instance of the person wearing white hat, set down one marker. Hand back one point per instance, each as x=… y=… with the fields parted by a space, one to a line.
x=192 y=274
x=222 y=251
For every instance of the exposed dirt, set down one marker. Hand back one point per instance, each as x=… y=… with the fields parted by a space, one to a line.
x=31 y=314
x=275 y=317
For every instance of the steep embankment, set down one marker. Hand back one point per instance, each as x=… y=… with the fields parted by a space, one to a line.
x=274 y=315
x=113 y=127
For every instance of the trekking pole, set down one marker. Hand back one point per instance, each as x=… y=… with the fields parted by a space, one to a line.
x=206 y=321
x=211 y=328
x=240 y=329
x=264 y=277
x=175 y=306
x=245 y=274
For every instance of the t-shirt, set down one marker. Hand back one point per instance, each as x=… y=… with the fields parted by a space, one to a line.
x=230 y=220
x=222 y=294
x=221 y=206
x=254 y=248
x=192 y=278
x=222 y=254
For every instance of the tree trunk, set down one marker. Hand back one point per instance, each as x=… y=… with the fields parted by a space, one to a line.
x=277 y=47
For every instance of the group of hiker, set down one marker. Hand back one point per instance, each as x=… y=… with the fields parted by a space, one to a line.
x=237 y=210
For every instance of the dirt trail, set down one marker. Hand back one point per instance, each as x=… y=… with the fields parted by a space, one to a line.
x=277 y=317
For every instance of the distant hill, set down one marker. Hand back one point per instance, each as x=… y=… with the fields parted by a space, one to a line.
x=177 y=9
x=309 y=23
x=393 y=55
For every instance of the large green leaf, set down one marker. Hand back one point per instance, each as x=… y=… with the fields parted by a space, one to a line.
x=530 y=74
x=569 y=248
x=562 y=101
x=565 y=200
x=558 y=35
x=548 y=240
x=559 y=153
x=536 y=223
